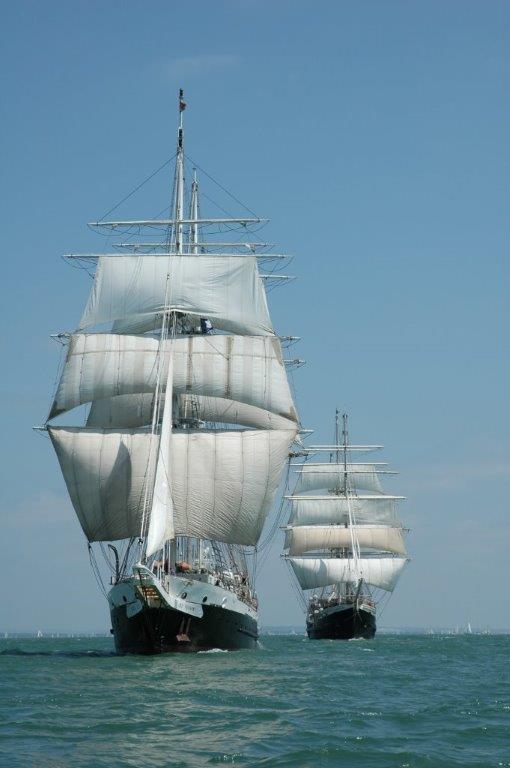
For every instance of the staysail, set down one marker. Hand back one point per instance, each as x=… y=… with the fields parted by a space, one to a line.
x=161 y=519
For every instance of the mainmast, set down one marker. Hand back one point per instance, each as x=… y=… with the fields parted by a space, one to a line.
x=345 y=436
x=337 y=438
x=355 y=548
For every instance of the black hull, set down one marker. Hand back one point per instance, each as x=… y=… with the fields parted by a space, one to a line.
x=166 y=630
x=342 y=625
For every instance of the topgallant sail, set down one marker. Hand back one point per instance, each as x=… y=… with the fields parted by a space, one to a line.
x=344 y=542
x=189 y=426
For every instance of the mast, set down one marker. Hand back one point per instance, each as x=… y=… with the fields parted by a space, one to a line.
x=157 y=526
x=354 y=540
x=337 y=438
x=178 y=196
x=194 y=215
x=193 y=249
x=345 y=437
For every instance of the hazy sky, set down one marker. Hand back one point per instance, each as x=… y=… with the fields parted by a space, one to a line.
x=375 y=135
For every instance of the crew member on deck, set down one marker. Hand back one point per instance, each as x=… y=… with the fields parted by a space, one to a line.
x=205 y=325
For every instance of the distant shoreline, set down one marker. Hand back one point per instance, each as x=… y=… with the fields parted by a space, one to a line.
x=264 y=631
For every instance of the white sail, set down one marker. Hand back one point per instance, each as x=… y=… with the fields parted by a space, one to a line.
x=306 y=538
x=328 y=510
x=161 y=521
x=220 y=410
x=106 y=474
x=243 y=368
x=362 y=477
x=314 y=573
x=223 y=483
x=127 y=411
x=129 y=291
x=123 y=411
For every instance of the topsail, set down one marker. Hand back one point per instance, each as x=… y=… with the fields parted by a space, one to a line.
x=246 y=369
x=130 y=292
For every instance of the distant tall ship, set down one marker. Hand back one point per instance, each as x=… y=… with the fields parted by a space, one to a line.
x=345 y=546
x=189 y=423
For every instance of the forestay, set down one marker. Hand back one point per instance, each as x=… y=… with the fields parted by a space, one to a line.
x=223 y=483
x=129 y=291
x=314 y=573
x=238 y=368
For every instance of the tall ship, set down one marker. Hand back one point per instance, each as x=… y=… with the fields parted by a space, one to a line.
x=178 y=382
x=344 y=542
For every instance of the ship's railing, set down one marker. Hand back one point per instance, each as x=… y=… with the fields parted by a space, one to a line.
x=232 y=582
x=325 y=602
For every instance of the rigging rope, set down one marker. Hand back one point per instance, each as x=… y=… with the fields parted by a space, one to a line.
x=139 y=186
x=95 y=569
x=222 y=187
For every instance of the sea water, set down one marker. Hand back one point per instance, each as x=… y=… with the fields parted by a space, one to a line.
x=400 y=701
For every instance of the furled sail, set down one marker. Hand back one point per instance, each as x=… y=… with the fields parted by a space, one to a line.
x=247 y=369
x=314 y=573
x=306 y=538
x=131 y=290
x=127 y=411
x=328 y=510
x=222 y=482
x=362 y=477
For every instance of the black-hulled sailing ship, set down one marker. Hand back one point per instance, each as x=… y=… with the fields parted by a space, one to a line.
x=189 y=425
x=345 y=546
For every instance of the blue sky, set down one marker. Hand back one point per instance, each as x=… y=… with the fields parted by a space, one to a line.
x=375 y=137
